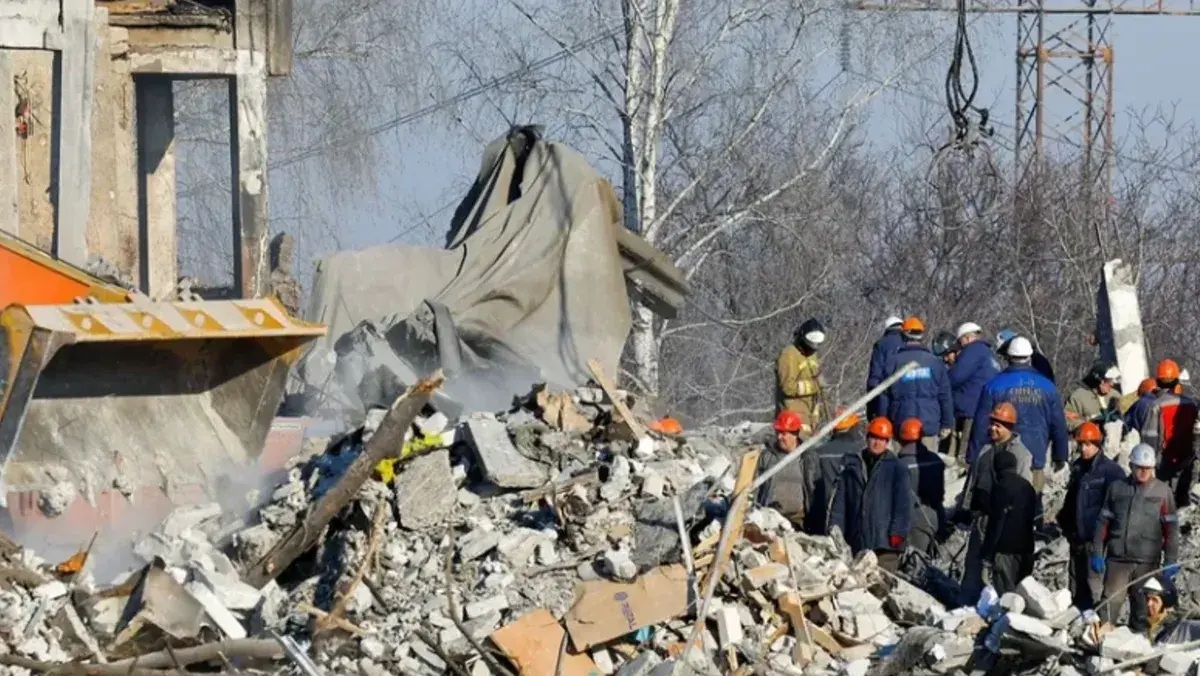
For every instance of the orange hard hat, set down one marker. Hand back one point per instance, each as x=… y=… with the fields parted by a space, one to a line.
x=666 y=425
x=912 y=325
x=1167 y=371
x=788 y=421
x=847 y=422
x=1004 y=412
x=911 y=429
x=880 y=427
x=1146 y=386
x=1089 y=431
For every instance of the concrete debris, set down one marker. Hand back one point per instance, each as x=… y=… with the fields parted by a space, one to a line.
x=548 y=536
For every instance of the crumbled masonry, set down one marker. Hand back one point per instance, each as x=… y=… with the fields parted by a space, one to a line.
x=535 y=543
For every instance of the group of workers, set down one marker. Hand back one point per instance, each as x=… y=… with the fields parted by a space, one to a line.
x=1000 y=414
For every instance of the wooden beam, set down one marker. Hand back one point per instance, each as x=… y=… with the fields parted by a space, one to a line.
x=279 y=37
x=74 y=72
x=248 y=120
x=198 y=61
x=158 y=269
x=9 y=206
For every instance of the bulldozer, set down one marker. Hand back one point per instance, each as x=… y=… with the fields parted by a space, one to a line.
x=104 y=391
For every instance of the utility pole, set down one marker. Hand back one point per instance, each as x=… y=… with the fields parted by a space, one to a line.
x=1064 y=63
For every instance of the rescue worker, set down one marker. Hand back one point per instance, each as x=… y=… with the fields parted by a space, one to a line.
x=884 y=348
x=1162 y=622
x=1040 y=420
x=972 y=370
x=1039 y=360
x=1096 y=400
x=944 y=346
x=1135 y=413
x=798 y=375
x=981 y=478
x=927 y=478
x=923 y=392
x=1170 y=430
x=784 y=492
x=822 y=465
x=1138 y=532
x=1007 y=548
x=1091 y=475
x=872 y=506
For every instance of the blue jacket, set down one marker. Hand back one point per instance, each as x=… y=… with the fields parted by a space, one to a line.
x=922 y=393
x=1040 y=418
x=885 y=347
x=870 y=510
x=1135 y=417
x=1089 y=487
x=972 y=370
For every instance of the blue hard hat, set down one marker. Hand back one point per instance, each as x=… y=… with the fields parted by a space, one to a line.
x=1004 y=336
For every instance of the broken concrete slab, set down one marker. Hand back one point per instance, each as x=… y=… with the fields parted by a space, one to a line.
x=425 y=492
x=499 y=458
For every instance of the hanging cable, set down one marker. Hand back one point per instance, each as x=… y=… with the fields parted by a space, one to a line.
x=961 y=87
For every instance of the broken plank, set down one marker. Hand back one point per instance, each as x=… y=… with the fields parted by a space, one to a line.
x=597 y=369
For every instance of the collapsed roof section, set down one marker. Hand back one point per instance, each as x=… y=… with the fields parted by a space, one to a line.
x=535 y=281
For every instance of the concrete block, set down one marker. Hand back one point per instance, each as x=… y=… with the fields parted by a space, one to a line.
x=1013 y=603
x=484 y=606
x=477 y=543
x=859 y=601
x=869 y=626
x=907 y=603
x=1178 y=662
x=1122 y=644
x=1028 y=625
x=231 y=592
x=858 y=667
x=729 y=626
x=1039 y=601
x=425 y=491
x=756 y=578
x=499 y=458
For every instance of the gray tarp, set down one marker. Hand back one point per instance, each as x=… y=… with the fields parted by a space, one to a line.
x=529 y=287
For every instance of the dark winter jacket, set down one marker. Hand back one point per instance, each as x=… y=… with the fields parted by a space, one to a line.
x=1040 y=418
x=971 y=371
x=884 y=348
x=1136 y=416
x=983 y=475
x=922 y=393
x=1086 y=488
x=1138 y=523
x=869 y=510
x=1042 y=365
x=822 y=467
x=1012 y=509
x=927 y=478
x=785 y=491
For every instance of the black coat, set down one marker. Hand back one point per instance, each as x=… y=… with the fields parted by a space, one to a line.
x=822 y=467
x=869 y=510
x=1013 y=506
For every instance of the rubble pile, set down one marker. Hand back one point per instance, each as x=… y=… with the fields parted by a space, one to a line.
x=562 y=536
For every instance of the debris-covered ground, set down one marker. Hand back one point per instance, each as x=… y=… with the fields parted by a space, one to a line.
x=560 y=537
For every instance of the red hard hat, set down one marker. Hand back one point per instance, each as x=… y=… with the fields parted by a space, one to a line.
x=1146 y=386
x=1089 y=431
x=880 y=427
x=1005 y=412
x=788 y=421
x=913 y=325
x=1167 y=371
x=910 y=430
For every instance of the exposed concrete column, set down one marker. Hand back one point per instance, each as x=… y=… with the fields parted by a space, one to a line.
x=10 y=211
x=248 y=122
x=74 y=72
x=158 y=265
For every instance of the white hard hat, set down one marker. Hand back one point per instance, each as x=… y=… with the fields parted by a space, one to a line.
x=1113 y=373
x=892 y=321
x=1153 y=586
x=1020 y=347
x=1142 y=456
x=815 y=338
x=966 y=329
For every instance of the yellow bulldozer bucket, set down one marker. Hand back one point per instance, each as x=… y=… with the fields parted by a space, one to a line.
x=130 y=394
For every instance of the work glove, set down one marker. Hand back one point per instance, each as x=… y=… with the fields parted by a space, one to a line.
x=1097 y=563
x=945 y=432
x=896 y=541
x=1170 y=571
x=1058 y=465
